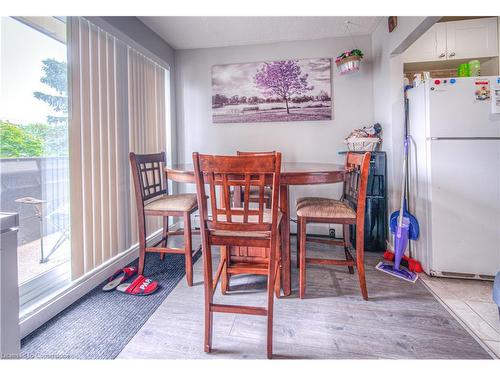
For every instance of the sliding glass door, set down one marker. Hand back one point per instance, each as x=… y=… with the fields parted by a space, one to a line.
x=118 y=102
x=34 y=150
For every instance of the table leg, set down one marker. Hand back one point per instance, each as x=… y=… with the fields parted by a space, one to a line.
x=285 y=241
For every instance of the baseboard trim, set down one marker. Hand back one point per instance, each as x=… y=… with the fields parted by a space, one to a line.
x=63 y=298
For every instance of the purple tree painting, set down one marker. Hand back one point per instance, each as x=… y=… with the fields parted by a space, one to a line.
x=282 y=79
x=275 y=91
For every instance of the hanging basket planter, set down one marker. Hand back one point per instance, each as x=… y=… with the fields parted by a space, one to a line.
x=349 y=61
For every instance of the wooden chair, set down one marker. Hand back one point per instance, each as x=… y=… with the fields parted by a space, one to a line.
x=347 y=211
x=254 y=191
x=152 y=199
x=238 y=197
x=239 y=226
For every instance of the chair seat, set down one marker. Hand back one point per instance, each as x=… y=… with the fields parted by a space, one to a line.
x=324 y=208
x=267 y=218
x=175 y=202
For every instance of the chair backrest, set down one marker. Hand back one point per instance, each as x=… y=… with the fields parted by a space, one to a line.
x=225 y=172
x=357 y=168
x=254 y=152
x=148 y=175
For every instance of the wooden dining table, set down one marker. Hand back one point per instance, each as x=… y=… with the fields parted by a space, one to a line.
x=292 y=173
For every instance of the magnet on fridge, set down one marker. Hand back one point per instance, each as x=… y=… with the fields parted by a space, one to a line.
x=495 y=100
x=482 y=89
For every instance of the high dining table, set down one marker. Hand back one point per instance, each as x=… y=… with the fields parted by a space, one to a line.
x=292 y=173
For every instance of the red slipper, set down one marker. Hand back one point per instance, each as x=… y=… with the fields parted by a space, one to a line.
x=139 y=287
x=119 y=277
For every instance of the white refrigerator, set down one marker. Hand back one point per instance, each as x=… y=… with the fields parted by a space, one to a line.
x=454 y=175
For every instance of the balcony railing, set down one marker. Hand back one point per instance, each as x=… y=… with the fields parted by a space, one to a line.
x=43 y=240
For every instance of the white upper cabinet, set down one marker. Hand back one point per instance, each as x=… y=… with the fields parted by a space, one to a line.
x=472 y=38
x=431 y=46
x=466 y=39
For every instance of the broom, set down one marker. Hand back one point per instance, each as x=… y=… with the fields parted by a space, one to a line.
x=406 y=228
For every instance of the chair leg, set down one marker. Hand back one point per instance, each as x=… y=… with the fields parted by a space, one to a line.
x=270 y=301
x=209 y=319
x=302 y=270
x=142 y=256
x=209 y=293
x=347 y=240
x=188 y=249
x=224 y=277
x=298 y=243
x=270 y=314
x=277 y=281
x=142 y=244
x=165 y=235
x=360 y=264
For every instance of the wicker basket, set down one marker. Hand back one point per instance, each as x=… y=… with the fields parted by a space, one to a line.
x=362 y=144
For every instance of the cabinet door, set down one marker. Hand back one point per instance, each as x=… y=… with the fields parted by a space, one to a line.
x=472 y=38
x=431 y=46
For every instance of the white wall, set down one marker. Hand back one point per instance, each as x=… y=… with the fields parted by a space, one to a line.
x=298 y=141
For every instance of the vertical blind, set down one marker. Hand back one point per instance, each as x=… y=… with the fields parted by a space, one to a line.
x=117 y=105
x=146 y=116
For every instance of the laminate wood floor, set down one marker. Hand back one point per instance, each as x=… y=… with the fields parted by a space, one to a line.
x=400 y=320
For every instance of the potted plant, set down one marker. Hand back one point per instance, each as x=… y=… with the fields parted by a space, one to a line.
x=349 y=61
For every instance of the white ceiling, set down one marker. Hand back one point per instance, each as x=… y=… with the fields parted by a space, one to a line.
x=207 y=32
